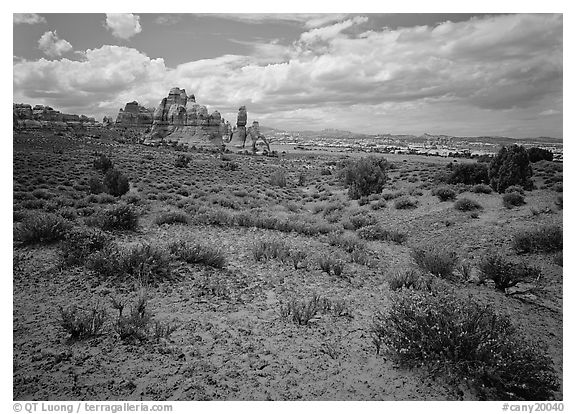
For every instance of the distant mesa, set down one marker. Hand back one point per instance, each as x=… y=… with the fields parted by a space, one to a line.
x=180 y=119
x=26 y=117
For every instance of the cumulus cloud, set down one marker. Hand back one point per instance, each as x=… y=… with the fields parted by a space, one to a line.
x=123 y=25
x=378 y=80
x=28 y=18
x=52 y=45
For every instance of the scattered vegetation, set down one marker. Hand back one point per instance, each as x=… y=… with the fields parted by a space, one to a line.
x=197 y=253
x=444 y=193
x=459 y=337
x=504 y=273
x=436 y=260
x=466 y=204
x=511 y=166
x=546 y=239
x=82 y=323
x=365 y=176
x=42 y=228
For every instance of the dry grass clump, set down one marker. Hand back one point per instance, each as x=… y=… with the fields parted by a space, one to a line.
x=546 y=239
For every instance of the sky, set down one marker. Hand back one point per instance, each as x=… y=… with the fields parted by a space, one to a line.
x=457 y=74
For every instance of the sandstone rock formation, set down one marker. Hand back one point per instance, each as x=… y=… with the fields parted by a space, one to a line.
x=257 y=138
x=26 y=117
x=251 y=137
x=134 y=116
x=180 y=119
x=238 y=138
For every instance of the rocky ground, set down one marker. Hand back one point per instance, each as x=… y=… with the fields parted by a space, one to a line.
x=232 y=341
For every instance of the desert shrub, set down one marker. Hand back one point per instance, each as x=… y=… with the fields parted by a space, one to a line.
x=379 y=204
x=481 y=189
x=444 y=193
x=466 y=204
x=230 y=166
x=544 y=239
x=119 y=217
x=81 y=242
x=103 y=163
x=270 y=249
x=510 y=167
x=42 y=228
x=116 y=183
x=331 y=265
x=301 y=311
x=436 y=260
x=298 y=258
x=143 y=262
x=364 y=176
x=469 y=173
x=504 y=273
x=464 y=340
x=558 y=187
x=410 y=279
x=405 y=202
x=387 y=196
x=514 y=189
x=510 y=200
x=96 y=185
x=81 y=323
x=361 y=219
x=136 y=325
x=301 y=179
x=171 y=217
x=536 y=154
x=377 y=232
x=146 y=262
x=214 y=217
x=197 y=253
x=278 y=179
x=346 y=241
x=182 y=161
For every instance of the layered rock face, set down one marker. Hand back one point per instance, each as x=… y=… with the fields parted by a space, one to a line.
x=242 y=137
x=238 y=139
x=256 y=137
x=180 y=119
x=44 y=117
x=134 y=116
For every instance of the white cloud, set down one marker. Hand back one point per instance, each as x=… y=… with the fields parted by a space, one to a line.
x=28 y=18
x=123 y=25
x=168 y=19
x=52 y=45
x=499 y=70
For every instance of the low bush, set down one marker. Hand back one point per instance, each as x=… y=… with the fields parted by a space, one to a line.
x=197 y=253
x=436 y=260
x=514 y=189
x=444 y=193
x=362 y=219
x=82 y=323
x=303 y=311
x=469 y=173
x=171 y=217
x=143 y=262
x=405 y=202
x=346 y=241
x=182 y=161
x=546 y=239
x=331 y=265
x=510 y=200
x=466 y=204
x=103 y=163
x=481 y=189
x=409 y=279
x=464 y=340
x=377 y=232
x=504 y=273
x=278 y=179
x=364 y=176
x=119 y=217
x=264 y=250
x=41 y=228
x=116 y=183
x=80 y=243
